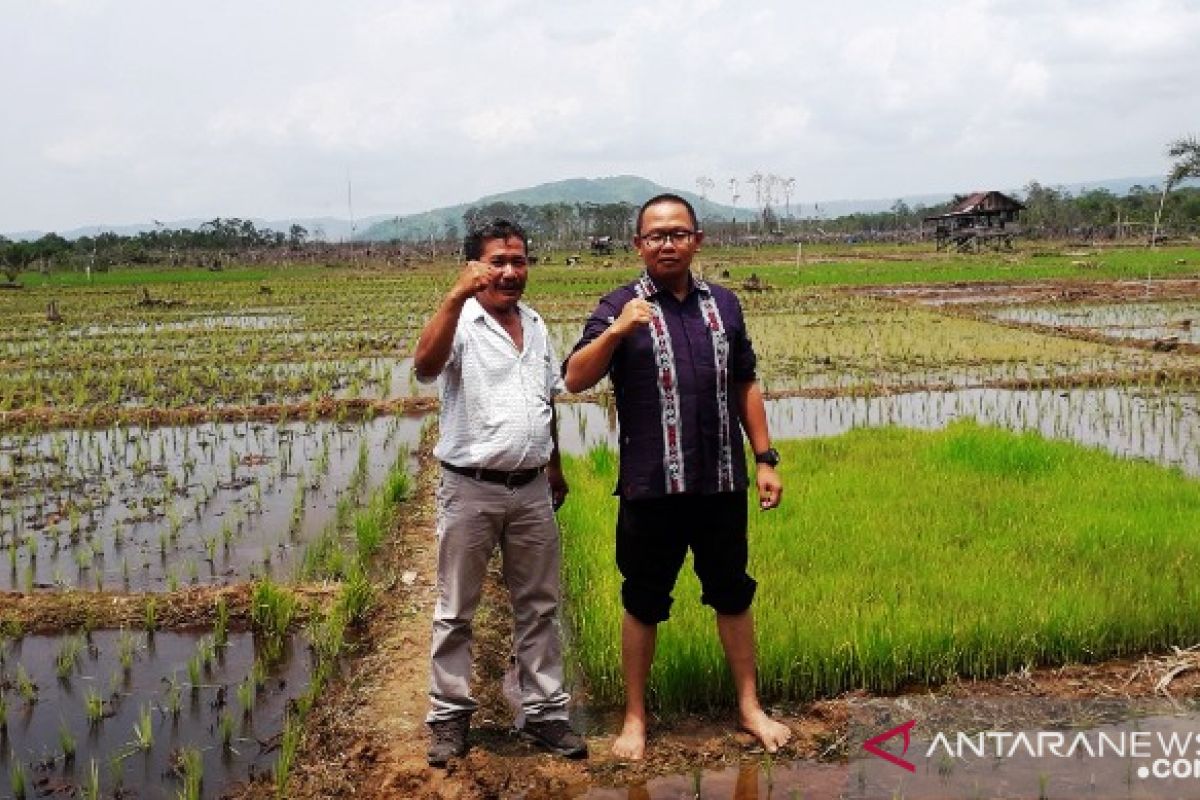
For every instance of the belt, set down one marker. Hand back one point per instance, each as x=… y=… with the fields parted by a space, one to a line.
x=511 y=479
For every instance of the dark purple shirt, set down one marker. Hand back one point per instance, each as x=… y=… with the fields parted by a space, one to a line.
x=638 y=387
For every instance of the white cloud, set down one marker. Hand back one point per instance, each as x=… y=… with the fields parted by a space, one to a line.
x=150 y=109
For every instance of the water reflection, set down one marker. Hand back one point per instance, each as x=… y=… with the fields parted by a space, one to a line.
x=1160 y=426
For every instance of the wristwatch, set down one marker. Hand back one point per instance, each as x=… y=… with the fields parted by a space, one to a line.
x=770 y=457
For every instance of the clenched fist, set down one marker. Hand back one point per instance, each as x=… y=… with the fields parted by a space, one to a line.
x=634 y=315
x=475 y=277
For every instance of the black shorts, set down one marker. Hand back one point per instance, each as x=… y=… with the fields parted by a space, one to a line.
x=653 y=537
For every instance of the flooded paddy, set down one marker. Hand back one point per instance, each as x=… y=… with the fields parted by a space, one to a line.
x=124 y=708
x=157 y=509
x=1151 y=424
x=1146 y=321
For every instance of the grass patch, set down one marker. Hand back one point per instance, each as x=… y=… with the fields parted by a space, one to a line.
x=903 y=557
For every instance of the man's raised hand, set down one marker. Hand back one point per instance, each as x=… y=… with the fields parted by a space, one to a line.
x=475 y=277
x=634 y=315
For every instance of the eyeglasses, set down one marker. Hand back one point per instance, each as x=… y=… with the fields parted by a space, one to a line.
x=659 y=238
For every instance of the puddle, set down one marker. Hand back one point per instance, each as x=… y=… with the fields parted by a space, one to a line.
x=157 y=683
x=1134 y=423
x=1023 y=748
x=799 y=779
x=1001 y=747
x=157 y=509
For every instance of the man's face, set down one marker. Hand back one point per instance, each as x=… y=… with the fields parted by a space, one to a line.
x=510 y=270
x=667 y=240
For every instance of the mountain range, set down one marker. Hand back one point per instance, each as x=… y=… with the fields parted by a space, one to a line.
x=623 y=188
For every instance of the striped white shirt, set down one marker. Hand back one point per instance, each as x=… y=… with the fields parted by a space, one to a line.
x=495 y=401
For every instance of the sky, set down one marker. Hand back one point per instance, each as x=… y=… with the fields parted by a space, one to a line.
x=127 y=111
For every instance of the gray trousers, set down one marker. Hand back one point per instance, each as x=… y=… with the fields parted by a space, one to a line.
x=473 y=517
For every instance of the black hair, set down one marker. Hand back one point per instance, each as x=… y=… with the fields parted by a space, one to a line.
x=492 y=229
x=667 y=198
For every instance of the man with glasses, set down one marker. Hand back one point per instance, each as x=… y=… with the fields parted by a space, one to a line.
x=683 y=375
x=501 y=483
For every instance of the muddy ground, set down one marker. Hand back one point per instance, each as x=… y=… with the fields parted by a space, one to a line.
x=367 y=738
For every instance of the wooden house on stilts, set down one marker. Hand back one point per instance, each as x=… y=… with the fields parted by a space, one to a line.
x=982 y=219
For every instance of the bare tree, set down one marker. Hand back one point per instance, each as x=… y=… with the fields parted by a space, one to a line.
x=789 y=186
x=1186 y=153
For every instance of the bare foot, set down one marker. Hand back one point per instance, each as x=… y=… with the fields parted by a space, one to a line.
x=772 y=734
x=631 y=744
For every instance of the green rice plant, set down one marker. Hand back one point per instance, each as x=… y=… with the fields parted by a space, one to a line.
x=66 y=743
x=93 y=707
x=126 y=647
x=173 y=696
x=90 y=788
x=194 y=668
x=272 y=608
x=68 y=657
x=150 y=615
x=206 y=650
x=225 y=731
x=143 y=729
x=964 y=552
x=288 y=745
x=18 y=780
x=191 y=770
x=221 y=628
x=246 y=697
x=356 y=595
x=26 y=688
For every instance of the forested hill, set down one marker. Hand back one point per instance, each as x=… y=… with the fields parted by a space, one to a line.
x=616 y=192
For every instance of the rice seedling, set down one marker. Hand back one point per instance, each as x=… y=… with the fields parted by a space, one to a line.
x=225 y=731
x=191 y=770
x=150 y=615
x=173 y=696
x=221 y=627
x=66 y=743
x=93 y=707
x=288 y=745
x=246 y=696
x=126 y=647
x=143 y=730
x=26 y=688
x=18 y=780
x=90 y=788
x=68 y=657
x=195 y=666
x=273 y=607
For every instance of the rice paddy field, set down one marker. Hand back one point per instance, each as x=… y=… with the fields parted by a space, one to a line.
x=991 y=461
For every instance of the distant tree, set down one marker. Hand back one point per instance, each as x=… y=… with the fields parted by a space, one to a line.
x=1186 y=155
x=297 y=235
x=17 y=258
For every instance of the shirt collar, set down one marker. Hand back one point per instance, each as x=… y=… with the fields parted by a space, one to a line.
x=473 y=310
x=652 y=288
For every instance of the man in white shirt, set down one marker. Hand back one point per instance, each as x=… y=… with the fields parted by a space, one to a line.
x=501 y=482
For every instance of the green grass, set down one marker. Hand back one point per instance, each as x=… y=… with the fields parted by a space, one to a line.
x=903 y=558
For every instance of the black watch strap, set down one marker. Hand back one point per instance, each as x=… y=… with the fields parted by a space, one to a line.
x=770 y=457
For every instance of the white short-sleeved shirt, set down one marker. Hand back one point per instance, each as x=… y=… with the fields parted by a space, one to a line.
x=495 y=401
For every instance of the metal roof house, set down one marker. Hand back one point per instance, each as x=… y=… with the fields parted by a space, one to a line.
x=982 y=219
